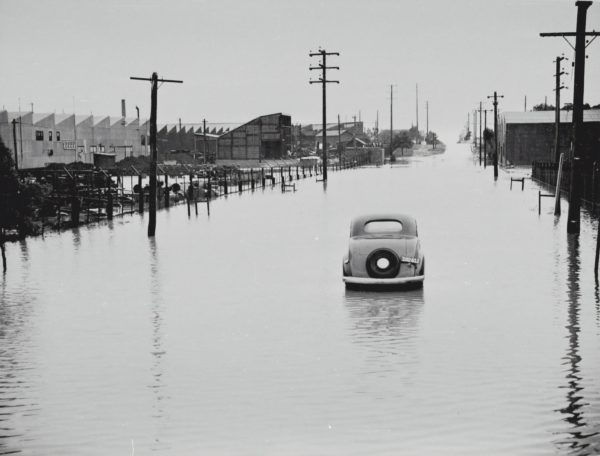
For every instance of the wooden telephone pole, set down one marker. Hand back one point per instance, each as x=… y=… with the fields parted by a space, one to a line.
x=480 y=133
x=495 y=97
x=557 y=108
x=154 y=153
x=573 y=222
x=323 y=80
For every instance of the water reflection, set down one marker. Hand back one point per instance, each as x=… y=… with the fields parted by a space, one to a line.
x=580 y=438
x=157 y=385
x=16 y=306
x=385 y=315
x=597 y=299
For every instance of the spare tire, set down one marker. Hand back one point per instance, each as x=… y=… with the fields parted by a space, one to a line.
x=383 y=264
x=175 y=188
x=136 y=188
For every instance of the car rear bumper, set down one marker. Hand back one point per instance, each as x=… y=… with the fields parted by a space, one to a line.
x=393 y=281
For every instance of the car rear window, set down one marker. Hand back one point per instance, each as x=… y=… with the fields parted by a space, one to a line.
x=383 y=227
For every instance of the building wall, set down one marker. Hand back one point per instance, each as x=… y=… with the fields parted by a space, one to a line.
x=45 y=139
x=524 y=143
x=266 y=137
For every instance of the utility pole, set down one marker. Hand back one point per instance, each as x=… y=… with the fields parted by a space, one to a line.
x=495 y=97
x=339 y=140
x=468 y=122
x=557 y=108
x=204 y=141
x=14 y=125
x=391 y=120
x=427 y=119
x=525 y=103
x=154 y=153
x=573 y=222
x=480 y=136
x=417 y=108
x=323 y=80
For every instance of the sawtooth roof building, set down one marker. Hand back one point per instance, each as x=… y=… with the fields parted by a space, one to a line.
x=40 y=139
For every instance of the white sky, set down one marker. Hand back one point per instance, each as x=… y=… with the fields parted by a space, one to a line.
x=240 y=59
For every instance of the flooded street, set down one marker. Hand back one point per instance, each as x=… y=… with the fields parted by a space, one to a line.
x=234 y=334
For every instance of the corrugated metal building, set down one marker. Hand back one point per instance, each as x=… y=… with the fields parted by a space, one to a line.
x=267 y=137
x=524 y=137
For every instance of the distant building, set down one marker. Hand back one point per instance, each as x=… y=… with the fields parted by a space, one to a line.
x=48 y=138
x=64 y=138
x=346 y=133
x=267 y=137
x=524 y=137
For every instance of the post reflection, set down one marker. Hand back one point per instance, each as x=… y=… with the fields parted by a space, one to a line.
x=157 y=307
x=580 y=438
x=597 y=299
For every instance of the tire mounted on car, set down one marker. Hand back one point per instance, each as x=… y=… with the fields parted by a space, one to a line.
x=383 y=264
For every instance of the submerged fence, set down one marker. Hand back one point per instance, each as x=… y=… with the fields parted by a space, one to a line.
x=547 y=173
x=76 y=197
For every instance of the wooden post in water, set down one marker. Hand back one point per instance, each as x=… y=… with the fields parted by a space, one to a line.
x=558 y=185
x=140 y=195
x=167 y=191
x=109 y=205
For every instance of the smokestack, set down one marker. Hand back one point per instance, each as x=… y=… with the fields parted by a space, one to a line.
x=123 y=114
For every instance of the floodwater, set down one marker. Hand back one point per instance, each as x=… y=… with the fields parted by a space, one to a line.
x=233 y=334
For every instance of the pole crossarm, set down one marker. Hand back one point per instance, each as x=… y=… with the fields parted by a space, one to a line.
x=568 y=34
x=177 y=81
x=564 y=35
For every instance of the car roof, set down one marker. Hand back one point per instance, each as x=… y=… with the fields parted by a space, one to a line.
x=409 y=224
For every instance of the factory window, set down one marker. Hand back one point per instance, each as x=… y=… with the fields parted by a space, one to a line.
x=93 y=149
x=49 y=135
x=57 y=135
x=101 y=148
x=143 y=140
x=39 y=135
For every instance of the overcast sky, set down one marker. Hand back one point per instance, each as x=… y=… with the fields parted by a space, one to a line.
x=242 y=59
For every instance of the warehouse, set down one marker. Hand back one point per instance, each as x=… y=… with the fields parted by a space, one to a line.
x=524 y=137
x=267 y=137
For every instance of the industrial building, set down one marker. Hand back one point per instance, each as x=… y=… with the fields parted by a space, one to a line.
x=42 y=139
x=349 y=134
x=264 y=138
x=525 y=137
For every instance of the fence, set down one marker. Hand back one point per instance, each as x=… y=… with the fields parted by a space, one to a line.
x=547 y=173
x=85 y=196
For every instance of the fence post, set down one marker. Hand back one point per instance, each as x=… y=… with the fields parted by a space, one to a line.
x=140 y=195
x=109 y=205
x=558 y=185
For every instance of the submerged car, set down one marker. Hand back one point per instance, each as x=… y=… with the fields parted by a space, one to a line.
x=384 y=249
